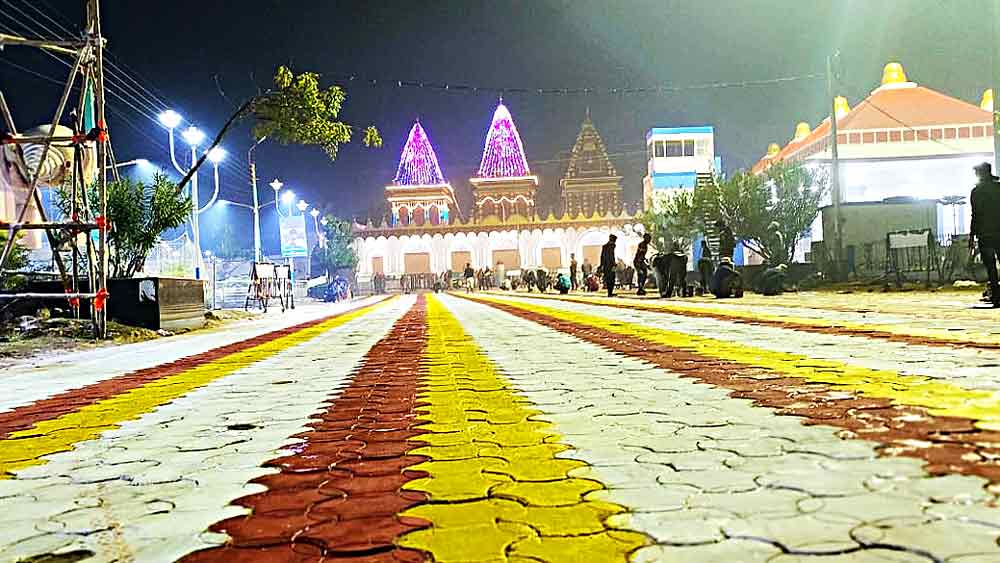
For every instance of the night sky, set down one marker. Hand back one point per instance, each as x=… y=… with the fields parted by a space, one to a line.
x=186 y=52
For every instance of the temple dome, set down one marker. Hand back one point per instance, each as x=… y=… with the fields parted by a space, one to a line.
x=503 y=153
x=418 y=163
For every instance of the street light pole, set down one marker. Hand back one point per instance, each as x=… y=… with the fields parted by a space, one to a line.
x=256 y=201
x=838 y=242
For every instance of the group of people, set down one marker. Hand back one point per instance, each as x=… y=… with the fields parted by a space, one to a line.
x=669 y=269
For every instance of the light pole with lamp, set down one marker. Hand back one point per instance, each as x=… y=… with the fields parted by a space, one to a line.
x=193 y=136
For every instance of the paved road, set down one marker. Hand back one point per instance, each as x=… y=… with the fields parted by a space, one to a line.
x=518 y=428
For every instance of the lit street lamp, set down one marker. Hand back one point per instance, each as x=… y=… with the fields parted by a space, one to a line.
x=194 y=137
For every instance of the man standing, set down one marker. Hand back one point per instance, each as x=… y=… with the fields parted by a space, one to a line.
x=608 y=264
x=985 y=202
x=470 y=278
x=572 y=271
x=641 y=267
x=705 y=266
x=587 y=269
x=727 y=241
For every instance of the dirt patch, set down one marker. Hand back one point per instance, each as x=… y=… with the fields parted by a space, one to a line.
x=36 y=337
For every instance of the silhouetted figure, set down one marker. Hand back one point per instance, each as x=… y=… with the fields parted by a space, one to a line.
x=607 y=266
x=726 y=282
x=676 y=272
x=727 y=241
x=705 y=266
x=640 y=264
x=985 y=202
x=542 y=280
x=772 y=281
x=529 y=279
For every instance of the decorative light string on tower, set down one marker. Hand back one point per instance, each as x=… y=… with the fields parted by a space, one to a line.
x=418 y=163
x=503 y=155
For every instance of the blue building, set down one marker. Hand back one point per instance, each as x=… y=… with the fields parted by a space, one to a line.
x=676 y=156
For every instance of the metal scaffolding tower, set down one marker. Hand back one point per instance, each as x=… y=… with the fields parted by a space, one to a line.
x=86 y=76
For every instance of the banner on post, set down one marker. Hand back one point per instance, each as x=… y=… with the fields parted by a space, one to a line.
x=293 y=236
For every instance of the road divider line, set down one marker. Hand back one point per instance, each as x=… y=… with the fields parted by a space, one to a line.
x=495 y=487
x=949 y=443
x=339 y=494
x=819 y=326
x=90 y=416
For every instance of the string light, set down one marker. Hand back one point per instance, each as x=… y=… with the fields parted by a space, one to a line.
x=503 y=155
x=572 y=91
x=418 y=164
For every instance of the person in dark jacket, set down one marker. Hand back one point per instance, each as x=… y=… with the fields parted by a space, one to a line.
x=772 y=281
x=705 y=266
x=727 y=241
x=640 y=264
x=985 y=202
x=676 y=271
x=607 y=266
x=726 y=282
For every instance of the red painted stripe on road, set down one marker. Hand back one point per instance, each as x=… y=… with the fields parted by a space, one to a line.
x=338 y=496
x=947 y=444
x=793 y=325
x=24 y=417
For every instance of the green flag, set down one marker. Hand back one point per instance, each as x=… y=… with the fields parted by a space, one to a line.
x=89 y=119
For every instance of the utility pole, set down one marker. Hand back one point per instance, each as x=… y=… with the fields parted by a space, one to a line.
x=838 y=241
x=256 y=203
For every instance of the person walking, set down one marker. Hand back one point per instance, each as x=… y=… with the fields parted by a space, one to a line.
x=470 y=278
x=572 y=272
x=985 y=202
x=607 y=265
x=640 y=264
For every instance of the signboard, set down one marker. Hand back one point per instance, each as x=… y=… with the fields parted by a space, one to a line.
x=909 y=239
x=293 y=236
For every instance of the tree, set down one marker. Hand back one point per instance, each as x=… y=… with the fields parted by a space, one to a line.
x=339 y=252
x=674 y=218
x=139 y=214
x=771 y=212
x=295 y=111
x=16 y=260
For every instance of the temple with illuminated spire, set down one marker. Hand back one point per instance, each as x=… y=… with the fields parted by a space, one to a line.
x=504 y=186
x=426 y=234
x=419 y=193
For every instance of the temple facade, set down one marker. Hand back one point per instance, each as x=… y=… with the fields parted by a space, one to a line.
x=591 y=183
x=426 y=233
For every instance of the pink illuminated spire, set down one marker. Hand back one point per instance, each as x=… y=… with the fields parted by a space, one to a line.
x=418 y=165
x=503 y=155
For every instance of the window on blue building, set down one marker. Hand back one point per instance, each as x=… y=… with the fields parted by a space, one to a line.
x=674 y=148
x=659 y=149
x=689 y=147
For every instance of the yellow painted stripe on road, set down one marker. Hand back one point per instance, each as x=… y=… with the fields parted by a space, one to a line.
x=497 y=490
x=28 y=447
x=938 y=397
x=747 y=313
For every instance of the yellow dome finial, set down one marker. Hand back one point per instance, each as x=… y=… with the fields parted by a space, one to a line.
x=987 y=102
x=841 y=107
x=893 y=73
x=772 y=150
x=801 y=131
